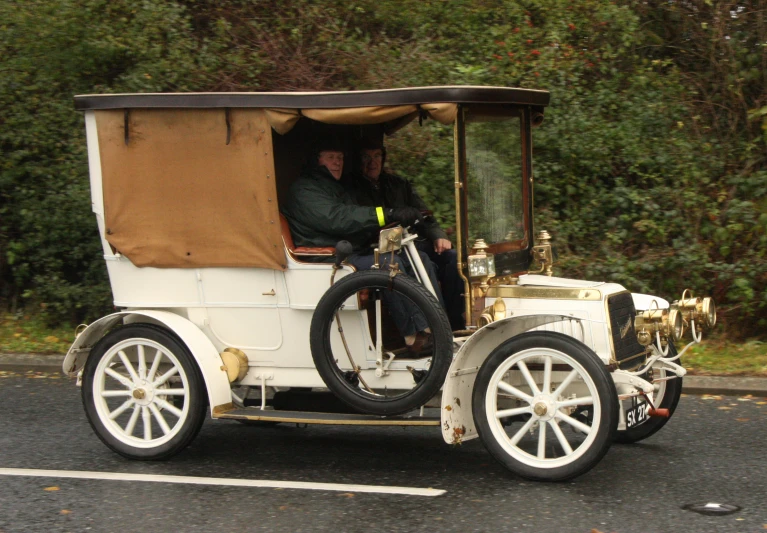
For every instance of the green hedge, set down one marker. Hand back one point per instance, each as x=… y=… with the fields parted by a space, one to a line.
x=650 y=164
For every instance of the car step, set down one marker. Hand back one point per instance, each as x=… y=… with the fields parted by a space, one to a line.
x=303 y=417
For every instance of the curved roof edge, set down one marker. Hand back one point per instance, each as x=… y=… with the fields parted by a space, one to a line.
x=461 y=94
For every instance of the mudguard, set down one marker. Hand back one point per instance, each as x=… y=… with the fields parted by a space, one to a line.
x=203 y=351
x=457 y=420
x=642 y=301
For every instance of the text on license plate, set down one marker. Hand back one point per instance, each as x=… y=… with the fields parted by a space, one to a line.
x=636 y=415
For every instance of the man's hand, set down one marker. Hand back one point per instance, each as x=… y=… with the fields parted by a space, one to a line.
x=440 y=245
x=406 y=216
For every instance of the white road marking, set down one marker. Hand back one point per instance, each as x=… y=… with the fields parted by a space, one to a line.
x=228 y=482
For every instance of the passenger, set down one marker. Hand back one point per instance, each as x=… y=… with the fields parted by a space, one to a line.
x=378 y=187
x=321 y=212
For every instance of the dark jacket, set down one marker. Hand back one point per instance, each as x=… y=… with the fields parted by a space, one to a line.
x=393 y=191
x=321 y=212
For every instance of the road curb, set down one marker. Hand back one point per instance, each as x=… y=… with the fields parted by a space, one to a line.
x=16 y=362
x=732 y=385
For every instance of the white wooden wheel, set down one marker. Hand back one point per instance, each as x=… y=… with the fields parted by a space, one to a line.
x=134 y=378
x=550 y=437
x=143 y=393
x=545 y=406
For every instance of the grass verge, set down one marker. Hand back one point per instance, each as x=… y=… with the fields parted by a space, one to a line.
x=30 y=334
x=719 y=357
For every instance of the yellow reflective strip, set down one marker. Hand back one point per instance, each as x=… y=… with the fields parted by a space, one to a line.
x=381 y=219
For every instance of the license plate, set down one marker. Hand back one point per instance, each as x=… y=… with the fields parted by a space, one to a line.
x=636 y=415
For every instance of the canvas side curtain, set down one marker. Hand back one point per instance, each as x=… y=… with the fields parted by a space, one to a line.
x=283 y=120
x=190 y=187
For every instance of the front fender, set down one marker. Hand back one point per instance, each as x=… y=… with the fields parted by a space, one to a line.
x=205 y=354
x=457 y=420
x=642 y=301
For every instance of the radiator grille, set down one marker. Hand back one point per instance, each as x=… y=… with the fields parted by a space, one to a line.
x=625 y=343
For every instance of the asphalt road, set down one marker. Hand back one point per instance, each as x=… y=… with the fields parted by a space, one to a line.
x=712 y=451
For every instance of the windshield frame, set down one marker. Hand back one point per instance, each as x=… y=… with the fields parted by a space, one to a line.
x=511 y=257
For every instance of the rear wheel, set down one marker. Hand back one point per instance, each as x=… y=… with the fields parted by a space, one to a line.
x=143 y=393
x=545 y=406
x=345 y=345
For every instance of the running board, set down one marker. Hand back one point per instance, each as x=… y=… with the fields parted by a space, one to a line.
x=303 y=417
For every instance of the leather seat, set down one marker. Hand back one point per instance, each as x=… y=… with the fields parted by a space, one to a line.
x=324 y=251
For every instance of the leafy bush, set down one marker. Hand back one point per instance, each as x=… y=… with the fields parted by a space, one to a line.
x=650 y=165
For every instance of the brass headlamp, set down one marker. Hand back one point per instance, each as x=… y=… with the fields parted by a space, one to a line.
x=666 y=323
x=701 y=310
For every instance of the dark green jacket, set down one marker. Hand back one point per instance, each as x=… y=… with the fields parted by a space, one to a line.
x=321 y=212
x=393 y=191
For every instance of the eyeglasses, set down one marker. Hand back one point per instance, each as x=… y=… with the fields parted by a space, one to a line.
x=367 y=158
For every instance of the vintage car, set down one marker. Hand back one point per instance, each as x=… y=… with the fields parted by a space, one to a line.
x=218 y=311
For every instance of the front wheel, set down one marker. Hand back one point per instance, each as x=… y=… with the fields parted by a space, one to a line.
x=545 y=406
x=143 y=393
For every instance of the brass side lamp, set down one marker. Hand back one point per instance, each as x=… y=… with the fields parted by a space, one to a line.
x=542 y=252
x=481 y=267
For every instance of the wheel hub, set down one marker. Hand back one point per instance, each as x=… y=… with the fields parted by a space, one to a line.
x=143 y=392
x=543 y=407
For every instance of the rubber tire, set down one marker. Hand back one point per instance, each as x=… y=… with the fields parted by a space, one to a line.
x=597 y=371
x=653 y=425
x=323 y=355
x=197 y=396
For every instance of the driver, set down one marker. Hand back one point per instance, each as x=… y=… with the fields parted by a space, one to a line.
x=321 y=212
x=377 y=187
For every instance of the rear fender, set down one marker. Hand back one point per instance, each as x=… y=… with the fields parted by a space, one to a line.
x=457 y=420
x=205 y=354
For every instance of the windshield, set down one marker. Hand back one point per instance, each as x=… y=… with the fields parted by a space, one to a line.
x=496 y=192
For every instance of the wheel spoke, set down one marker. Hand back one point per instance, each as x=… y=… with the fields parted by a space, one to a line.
x=505 y=387
x=119 y=377
x=141 y=362
x=115 y=393
x=512 y=412
x=561 y=437
x=542 y=440
x=586 y=400
x=133 y=419
x=168 y=407
x=128 y=366
x=120 y=410
x=546 y=375
x=562 y=386
x=146 y=417
x=573 y=422
x=162 y=379
x=170 y=392
x=521 y=433
x=155 y=365
x=160 y=419
x=528 y=377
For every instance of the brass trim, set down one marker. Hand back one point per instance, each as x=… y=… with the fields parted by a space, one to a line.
x=543 y=293
x=458 y=131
